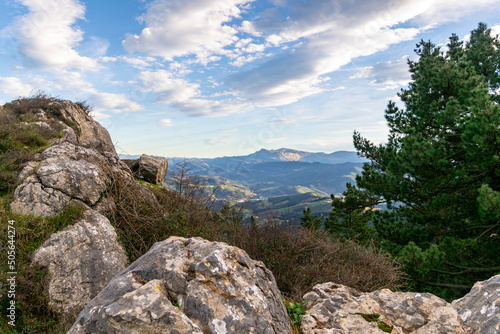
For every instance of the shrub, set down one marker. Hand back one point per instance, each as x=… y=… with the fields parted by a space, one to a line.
x=21 y=136
x=86 y=106
x=299 y=259
x=39 y=100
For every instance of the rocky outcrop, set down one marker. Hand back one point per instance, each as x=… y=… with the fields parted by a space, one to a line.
x=89 y=133
x=188 y=286
x=149 y=168
x=480 y=308
x=59 y=175
x=74 y=168
x=81 y=260
x=335 y=308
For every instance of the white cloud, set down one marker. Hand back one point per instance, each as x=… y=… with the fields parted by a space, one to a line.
x=15 y=87
x=47 y=35
x=331 y=34
x=116 y=103
x=207 y=107
x=495 y=30
x=178 y=28
x=139 y=62
x=216 y=141
x=72 y=82
x=165 y=122
x=390 y=74
x=187 y=96
x=168 y=88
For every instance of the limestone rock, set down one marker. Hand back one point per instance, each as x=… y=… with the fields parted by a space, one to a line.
x=31 y=197
x=81 y=260
x=480 y=308
x=78 y=179
x=63 y=173
x=218 y=289
x=90 y=133
x=338 y=309
x=151 y=169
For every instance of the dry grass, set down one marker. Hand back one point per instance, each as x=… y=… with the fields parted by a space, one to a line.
x=299 y=259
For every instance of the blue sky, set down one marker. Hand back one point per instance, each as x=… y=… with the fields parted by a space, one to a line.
x=208 y=78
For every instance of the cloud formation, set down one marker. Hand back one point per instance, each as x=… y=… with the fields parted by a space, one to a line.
x=47 y=35
x=391 y=74
x=179 y=28
x=14 y=87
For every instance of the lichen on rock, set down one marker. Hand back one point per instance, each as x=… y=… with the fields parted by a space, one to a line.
x=334 y=308
x=216 y=286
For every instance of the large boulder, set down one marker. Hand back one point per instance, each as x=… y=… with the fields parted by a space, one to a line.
x=188 y=286
x=333 y=308
x=61 y=174
x=32 y=197
x=480 y=308
x=151 y=169
x=89 y=132
x=81 y=260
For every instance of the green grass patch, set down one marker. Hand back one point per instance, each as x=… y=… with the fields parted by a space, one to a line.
x=32 y=312
x=374 y=318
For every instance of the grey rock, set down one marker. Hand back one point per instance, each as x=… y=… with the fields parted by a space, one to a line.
x=81 y=260
x=31 y=197
x=78 y=179
x=335 y=308
x=62 y=173
x=27 y=170
x=142 y=311
x=217 y=287
x=480 y=308
x=151 y=169
x=90 y=133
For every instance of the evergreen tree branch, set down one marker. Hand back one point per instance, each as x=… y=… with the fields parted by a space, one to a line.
x=445 y=285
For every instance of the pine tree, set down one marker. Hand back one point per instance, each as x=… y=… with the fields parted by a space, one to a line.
x=440 y=164
x=310 y=221
x=351 y=215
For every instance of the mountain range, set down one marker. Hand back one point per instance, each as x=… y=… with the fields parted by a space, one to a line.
x=282 y=181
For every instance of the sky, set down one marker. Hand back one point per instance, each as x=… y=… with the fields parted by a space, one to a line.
x=211 y=78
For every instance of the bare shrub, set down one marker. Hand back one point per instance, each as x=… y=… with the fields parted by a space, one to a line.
x=299 y=259
x=39 y=100
x=145 y=216
x=86 y=106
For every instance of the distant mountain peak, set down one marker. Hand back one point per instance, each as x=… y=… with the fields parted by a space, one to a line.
x=282 y=154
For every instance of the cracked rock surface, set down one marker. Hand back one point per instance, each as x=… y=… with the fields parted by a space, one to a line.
x=480 y=308
x=62 y=174
x=337 y=309
x=80 y=260
x=188 y=286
